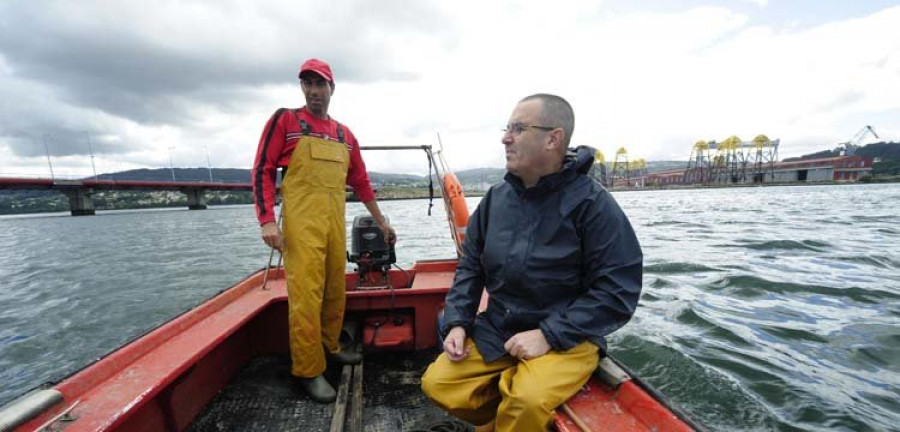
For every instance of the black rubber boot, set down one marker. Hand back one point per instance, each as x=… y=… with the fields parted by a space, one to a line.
x=346 y=357
x=318 y=389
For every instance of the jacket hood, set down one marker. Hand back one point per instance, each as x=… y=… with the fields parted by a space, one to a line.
x=580 y=159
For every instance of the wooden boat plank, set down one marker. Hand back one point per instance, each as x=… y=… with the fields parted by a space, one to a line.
x=356 y=404
x=339 y=414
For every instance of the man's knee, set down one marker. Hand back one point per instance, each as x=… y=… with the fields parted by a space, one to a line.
x=532 y=401
x=428 y=382
x=530 y=395
x=436 y=384
x=440 y=387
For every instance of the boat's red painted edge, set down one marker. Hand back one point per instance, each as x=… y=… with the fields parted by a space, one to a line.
x=25 y=182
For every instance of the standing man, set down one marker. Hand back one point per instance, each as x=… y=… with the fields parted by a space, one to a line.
x=319 y=156
x=563 y=269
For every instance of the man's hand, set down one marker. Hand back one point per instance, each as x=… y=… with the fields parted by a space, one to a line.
x=527 y=345
x=271 y=234
x=455 y=344
x=389 y=235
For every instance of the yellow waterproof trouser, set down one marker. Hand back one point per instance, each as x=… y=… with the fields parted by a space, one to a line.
x=519 y=395
x=315 y=250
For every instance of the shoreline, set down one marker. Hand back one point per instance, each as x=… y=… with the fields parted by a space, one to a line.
x=415 y=194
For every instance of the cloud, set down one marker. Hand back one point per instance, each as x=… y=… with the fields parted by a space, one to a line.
x=111 y=53
x=166 y=64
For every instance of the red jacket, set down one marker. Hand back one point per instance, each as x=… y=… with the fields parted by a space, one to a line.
x=276 y=146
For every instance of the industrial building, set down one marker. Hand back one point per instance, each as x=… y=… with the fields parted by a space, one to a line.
x=734 y=162
x=838 y=169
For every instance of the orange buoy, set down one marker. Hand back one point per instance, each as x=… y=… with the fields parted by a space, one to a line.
x=459 y=211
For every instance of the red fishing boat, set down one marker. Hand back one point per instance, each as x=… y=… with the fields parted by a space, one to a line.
x=224 y=365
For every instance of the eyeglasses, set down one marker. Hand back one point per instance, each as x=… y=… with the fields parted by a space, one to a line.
x=517 y=128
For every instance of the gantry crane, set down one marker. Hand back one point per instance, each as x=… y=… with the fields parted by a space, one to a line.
x=698 y=164
x=729 y=162
x=638 y=169
x=732 y=161
x=620 y=169
x=763 y=158
x=849 y=148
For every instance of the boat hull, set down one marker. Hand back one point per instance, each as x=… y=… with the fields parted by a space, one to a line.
x=164 y=380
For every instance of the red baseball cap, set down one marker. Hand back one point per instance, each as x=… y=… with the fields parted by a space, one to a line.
x=319 y=67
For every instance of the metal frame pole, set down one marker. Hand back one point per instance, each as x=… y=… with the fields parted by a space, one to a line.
x=49 y=163
x=91 y=148
x=171 y=164
x=208 y=164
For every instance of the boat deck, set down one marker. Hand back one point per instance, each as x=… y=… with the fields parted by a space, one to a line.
x=261 y=398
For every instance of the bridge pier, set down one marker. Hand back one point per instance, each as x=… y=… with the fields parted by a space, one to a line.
x=80 y=203
x=196 y=200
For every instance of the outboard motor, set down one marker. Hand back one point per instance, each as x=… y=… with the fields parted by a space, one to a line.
x=370 y=252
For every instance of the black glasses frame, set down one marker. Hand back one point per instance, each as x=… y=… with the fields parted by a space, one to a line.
x=517 y=128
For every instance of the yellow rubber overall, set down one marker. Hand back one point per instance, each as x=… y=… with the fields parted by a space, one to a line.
x=315 y=250
x=518 y=395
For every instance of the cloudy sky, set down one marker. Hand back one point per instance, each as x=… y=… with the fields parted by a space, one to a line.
x=146 y=81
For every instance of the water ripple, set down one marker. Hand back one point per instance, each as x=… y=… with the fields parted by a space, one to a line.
x=676 y=267
x=810 y=245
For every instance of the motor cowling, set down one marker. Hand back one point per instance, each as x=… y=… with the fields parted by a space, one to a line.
x=368 y=248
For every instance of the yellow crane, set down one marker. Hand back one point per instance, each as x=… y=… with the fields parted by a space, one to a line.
x=698 y=164
x=620 y=168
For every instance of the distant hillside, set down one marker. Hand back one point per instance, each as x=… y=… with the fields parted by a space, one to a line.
x=480 y=175
x=884 y=150
x=226 y=175
x=230 y=175
x=394 y=179
x=657 y=166
x=468 y=178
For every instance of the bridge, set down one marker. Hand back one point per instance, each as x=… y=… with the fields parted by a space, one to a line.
x=79 y=191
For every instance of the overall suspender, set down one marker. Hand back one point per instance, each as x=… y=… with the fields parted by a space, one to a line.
x=304 y=126
x=305 y=129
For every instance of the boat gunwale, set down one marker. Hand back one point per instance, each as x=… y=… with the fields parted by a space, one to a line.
x=107 y=367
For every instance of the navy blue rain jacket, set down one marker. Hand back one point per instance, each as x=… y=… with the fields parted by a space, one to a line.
x=560 y=256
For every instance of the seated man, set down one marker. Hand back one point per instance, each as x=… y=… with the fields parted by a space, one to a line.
x=563 y=269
